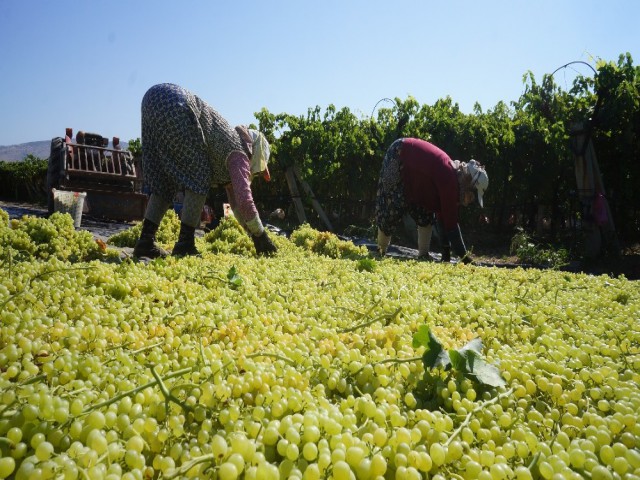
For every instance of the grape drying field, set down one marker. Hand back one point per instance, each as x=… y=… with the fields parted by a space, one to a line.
x=316 y=363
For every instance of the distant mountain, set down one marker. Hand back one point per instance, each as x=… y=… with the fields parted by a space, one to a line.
x=16 y=153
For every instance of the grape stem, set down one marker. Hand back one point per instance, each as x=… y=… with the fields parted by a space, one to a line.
x=480 y=407
x=133 y=391
x=362 y=314
x=209 y=457
x=391 y=360
x=135 y=352
x=168 y=396
x=273 y=355
x=387 y=316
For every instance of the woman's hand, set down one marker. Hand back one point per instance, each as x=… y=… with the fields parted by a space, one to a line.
x=263 y=244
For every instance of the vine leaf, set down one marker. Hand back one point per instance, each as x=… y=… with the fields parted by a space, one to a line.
x=467 y=360
x=235 y=280
x=458 y=361
x=435 y=355
x=484 y=372
x=474 y=345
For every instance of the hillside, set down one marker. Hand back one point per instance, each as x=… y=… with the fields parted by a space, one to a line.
x=16 y=153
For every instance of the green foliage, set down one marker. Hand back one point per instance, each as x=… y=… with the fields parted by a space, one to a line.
x=524 y=146
x=529 y=252
x=24 y=180
x=135 y=147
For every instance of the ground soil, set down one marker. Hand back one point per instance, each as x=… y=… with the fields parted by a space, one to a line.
x=489 y=249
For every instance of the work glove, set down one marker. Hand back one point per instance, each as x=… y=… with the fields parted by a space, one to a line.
x=263 y=244
x=467 y=259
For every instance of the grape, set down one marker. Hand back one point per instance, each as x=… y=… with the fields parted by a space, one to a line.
x=437 y=453
x=227 y=471
x=7 y=466
x=292 y=373
x=341 y=470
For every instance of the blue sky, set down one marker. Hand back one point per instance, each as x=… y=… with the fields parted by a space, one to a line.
x=86 y=64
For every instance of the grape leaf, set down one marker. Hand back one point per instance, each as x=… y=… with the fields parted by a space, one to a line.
x=474 y=345
x=421 y=337
x=484 y=372
x=458 y=360
x=235 y=280
x=434 y=355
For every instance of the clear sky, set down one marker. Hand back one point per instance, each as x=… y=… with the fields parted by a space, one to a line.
x=86 y=64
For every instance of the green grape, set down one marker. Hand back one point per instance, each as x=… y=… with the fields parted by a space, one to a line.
x=219 y=446
x=228 y=471
x=437 y=453
x=310 y=451
x=341 y=470
x=7 y=466
x=600 y=472
x=378 y=465
x=607 y=455
x=237 y=460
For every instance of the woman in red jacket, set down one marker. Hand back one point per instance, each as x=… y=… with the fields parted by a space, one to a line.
x=420 y=179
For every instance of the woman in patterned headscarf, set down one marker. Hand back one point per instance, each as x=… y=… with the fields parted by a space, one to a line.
x=187 y=145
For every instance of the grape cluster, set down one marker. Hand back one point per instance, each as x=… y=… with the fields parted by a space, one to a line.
x=41 y=238
x=325 y=243
x=307 y=370
x=166 y=235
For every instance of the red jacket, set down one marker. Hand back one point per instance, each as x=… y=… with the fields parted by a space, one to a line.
x=430 y=181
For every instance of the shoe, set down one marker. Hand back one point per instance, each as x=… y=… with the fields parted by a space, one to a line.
x=183 y=249
x=146 y=247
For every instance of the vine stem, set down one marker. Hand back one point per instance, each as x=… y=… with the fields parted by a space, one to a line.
x=474 y=411
x=135 y=352
x=387 y=316
x=391 y=360
x=273 y=355
x=209 y=457
x=128 y=393
x=169 y=397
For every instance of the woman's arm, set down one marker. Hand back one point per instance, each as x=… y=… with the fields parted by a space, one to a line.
x=240 y=195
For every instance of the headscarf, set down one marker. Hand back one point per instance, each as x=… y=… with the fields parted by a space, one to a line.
x=258 y=150
x=260 y=155
x=477 y=176
x=479 y=179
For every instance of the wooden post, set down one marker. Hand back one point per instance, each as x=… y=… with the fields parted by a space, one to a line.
x=295 y=194
x=314 y=201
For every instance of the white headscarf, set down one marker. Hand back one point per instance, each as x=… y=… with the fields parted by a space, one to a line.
x=260 y=154
x=258 y=150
